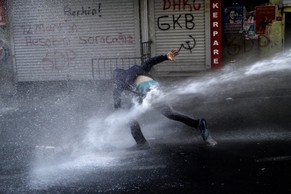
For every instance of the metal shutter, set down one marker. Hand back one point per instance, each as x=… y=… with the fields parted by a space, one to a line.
x=175 y=24
x=57 y=39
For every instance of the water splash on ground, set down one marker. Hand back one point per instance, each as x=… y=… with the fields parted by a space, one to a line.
x=107 y=136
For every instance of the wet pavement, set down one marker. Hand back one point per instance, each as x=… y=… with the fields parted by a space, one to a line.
x=49 y=144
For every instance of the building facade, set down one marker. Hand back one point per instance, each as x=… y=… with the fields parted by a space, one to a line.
x=54 y=40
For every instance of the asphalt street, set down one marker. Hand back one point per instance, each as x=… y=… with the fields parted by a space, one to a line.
x=54 y=139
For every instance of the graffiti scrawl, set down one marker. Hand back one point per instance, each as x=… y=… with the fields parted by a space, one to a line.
x=189 y=44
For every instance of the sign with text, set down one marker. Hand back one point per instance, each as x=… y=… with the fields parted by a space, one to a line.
x=215 y=30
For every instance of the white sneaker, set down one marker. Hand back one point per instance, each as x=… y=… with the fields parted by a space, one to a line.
x=210 y=141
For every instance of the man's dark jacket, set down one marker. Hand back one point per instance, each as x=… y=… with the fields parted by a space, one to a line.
x=124 y=79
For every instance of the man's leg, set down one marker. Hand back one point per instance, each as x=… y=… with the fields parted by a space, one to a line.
x=199 y=124
x=137 y=134
x=168 y=112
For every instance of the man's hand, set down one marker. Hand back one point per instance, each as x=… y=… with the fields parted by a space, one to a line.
x=172 y=54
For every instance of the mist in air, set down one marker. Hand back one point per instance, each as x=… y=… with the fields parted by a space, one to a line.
x=101 y=138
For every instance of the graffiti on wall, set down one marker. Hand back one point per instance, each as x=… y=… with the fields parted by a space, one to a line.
x=234 y=46
x=184 y=21
x=57 y=40
x=83 y=11
x=58 y=60
x=120 y=38
x=61 y=39
x=190 y=45
x=185 y=5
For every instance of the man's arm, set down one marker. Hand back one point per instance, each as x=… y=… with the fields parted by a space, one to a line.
x=118 y=87
x=158 y=59
x=117 y=96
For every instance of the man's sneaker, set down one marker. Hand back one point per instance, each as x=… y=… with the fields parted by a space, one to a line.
x=143 y=146
x=202 y=127
x=140 y=146
x=210 y=141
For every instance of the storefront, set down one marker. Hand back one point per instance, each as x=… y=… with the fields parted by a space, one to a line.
x=57 y=39
x=252 y=30
x=181 y=25
x=65 y=39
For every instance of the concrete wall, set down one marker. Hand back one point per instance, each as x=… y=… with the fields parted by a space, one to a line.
x=7 y=88
x=275 y=35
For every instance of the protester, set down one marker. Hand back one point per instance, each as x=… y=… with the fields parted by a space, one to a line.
x=137 y=80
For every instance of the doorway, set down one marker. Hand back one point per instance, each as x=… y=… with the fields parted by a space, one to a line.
x=287 y=44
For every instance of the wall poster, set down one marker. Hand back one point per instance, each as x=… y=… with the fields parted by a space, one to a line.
x=233 y=19
x=264 y=17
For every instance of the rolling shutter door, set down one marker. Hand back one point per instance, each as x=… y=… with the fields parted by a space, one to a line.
x=180 y=25
x=57 y=39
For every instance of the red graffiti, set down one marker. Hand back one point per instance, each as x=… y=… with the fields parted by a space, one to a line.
x=46 y=42
x=56 y=60
x=40 y=28
x=178 y=5
x=120 y=39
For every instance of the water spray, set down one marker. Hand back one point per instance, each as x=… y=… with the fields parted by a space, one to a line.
x=112 y=130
